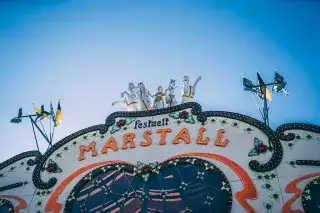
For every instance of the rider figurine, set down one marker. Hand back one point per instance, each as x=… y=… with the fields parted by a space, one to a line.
x=158 y=102
x=170 y=96
x=144 y=96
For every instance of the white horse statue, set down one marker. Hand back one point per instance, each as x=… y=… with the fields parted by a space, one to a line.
x=144 y=97
x=188 y=91
x=170 y=96
x=130 y=99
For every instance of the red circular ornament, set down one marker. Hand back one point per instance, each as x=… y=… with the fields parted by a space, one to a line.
x=262 y=148
x=146 y=168
x=183 y=114
x=121 y=123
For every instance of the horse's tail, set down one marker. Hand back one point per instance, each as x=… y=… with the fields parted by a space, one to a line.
x=114 y=103
x=195 y=85
x=193 y=89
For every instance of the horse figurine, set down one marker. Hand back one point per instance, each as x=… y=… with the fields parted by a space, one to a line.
x=158 y=102
x=170 y=96
x=130 y=98
x=188 y=91
x=144 y=97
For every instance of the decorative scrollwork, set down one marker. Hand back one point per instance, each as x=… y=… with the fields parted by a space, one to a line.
x=32 y=162
x=36 y=176
x=111 y=120
x=21 y=156
x=11 y=186
x=295 y=126
x=277 y=151
x=118 y=183
x=196 y=110
x=307 y=162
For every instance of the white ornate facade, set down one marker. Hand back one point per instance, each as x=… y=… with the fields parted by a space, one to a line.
x=177 y=159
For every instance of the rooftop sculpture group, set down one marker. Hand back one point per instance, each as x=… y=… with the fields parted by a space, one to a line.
x=138 y=98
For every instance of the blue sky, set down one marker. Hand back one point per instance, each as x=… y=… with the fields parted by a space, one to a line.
x=85 y=53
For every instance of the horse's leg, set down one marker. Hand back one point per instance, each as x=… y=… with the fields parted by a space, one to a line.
x=170 y=103
x=150 y=104
x=174 y=101
x=145 y=105
x=139 y=106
